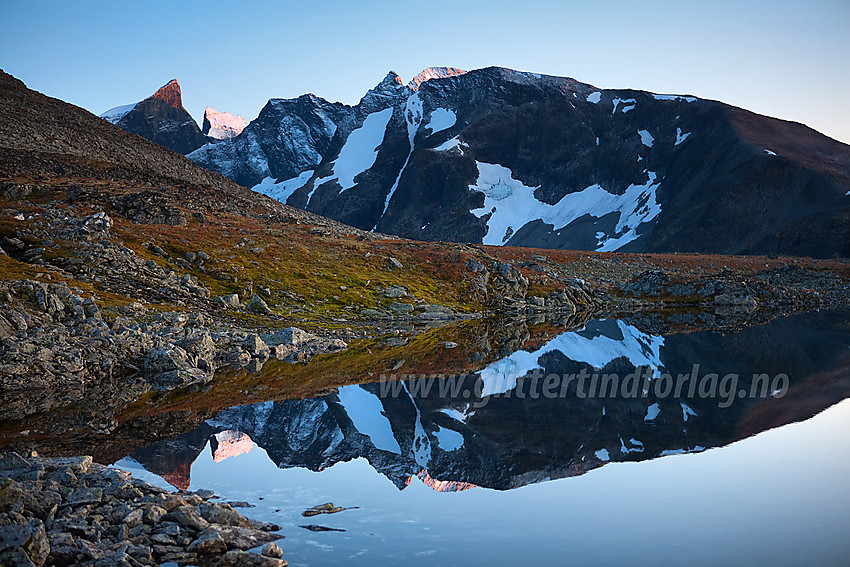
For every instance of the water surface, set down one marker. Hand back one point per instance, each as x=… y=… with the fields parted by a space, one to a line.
x=490 y=474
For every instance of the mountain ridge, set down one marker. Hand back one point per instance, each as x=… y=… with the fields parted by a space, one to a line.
x=579 y=144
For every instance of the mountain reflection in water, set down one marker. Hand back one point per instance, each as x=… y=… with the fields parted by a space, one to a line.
x=491 y=433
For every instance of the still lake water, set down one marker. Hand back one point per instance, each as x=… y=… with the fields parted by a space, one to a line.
x=501 y=477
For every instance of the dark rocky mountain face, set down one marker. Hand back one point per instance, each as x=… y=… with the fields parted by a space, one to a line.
x=499 y=157
x=288 y=138
x=160 y=118
x=513 y=437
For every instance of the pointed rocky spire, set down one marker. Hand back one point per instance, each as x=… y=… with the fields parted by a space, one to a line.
x=381 y=95
x=170 y=94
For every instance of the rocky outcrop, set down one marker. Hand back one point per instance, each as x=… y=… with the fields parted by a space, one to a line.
x=60 y=349
x=71 y=511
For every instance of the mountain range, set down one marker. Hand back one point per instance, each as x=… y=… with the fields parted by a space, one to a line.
x=502 y=157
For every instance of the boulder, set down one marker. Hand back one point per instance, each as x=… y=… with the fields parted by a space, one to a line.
x=290 y=336
x=257 y=305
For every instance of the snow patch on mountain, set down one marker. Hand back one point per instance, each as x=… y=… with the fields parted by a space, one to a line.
x=448 y=439
x=594 y=97
x=282 y=190
x=451 y=144
x=511 y=205
x=441 y=119
x=652 y=412
x=674 y=97
x=646 y=138
x=413 y=118
x=367 y=414
x=359 y=152
x=637 y=446
x=628 y=104
x=457 y=415
x=680 y=137
x=117 y=113
x=222 y=125
x=639 y=348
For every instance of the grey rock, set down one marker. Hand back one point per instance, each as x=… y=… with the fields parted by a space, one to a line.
x=395 y=291
x=187 y=516
x=91 y=309
x=24 y=544
x=154 y=515
x=241 y=538
x=254 y=345
x=134 y=518
x=237 y=558
x=257 y=305
x=374 y=313
x=12 y=461
x=272 y=549
x=290 y=336
x=209 y=544
x=167 y=359
x=401 y=308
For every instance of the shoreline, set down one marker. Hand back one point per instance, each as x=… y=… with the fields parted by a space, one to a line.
x=73 y=511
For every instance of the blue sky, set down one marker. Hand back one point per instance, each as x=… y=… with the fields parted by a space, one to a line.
x=782 y=58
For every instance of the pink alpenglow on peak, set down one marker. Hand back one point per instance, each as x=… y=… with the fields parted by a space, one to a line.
x=231 y=444
x=434 y=73
x=170 y=94
x=222 y=125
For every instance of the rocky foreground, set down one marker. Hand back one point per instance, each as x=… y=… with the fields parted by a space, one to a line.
x=71 y=511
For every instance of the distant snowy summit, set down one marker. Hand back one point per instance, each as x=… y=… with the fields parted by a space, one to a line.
x=222 y=125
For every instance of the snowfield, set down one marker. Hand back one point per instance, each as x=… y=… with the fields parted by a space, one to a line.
x=413 y=119
x=639 y=348
x=511 y=205
x=282 y=190
x=441 y=119
x=359 y=152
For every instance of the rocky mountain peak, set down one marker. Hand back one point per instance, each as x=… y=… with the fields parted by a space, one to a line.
x=384 y=93
x=434 y=73
x=222 y=125
x=160 y=118
x=170 y=94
